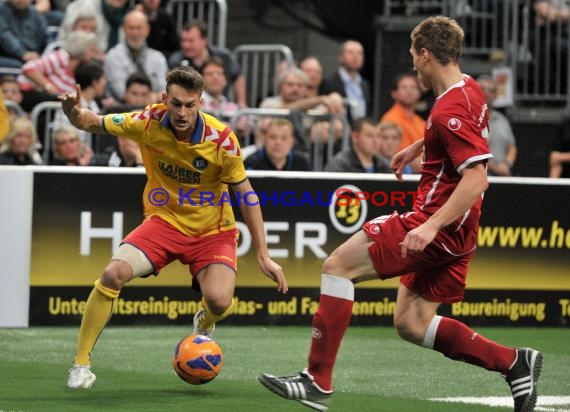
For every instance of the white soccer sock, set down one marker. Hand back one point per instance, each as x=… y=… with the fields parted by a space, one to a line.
x=337 y=287
x=429 y=338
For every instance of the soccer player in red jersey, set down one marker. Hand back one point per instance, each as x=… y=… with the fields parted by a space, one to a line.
x=429 y=247
x=191 y=159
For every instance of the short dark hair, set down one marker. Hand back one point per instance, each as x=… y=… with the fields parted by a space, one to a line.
x=359 y=124
x=405 y=75
x=213 y=61
x=199 y=24
x=186 y=77
x=138 y=78
x=88 y=72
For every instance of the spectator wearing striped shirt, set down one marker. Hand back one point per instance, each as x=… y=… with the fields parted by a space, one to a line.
x=52 y=74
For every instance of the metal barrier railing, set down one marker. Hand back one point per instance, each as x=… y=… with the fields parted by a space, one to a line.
x=15 y=107
x=212 y=12
x=258 y=66
x=317 y=152
x=42 y=116
x=487 y=25
x=413 y=7
x=540 y=55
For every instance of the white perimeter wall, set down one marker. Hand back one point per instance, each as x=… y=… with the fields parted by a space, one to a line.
x=16 y=185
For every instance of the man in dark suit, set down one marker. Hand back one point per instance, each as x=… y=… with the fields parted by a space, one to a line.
x=348 y=82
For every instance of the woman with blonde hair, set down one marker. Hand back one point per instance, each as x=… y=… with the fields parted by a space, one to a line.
x=19 y=146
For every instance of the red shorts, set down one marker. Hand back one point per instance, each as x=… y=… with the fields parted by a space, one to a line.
x=436 y=274
x=162 y=243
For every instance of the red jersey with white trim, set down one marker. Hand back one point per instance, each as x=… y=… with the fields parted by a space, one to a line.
x=456 y=135
x=187 y=181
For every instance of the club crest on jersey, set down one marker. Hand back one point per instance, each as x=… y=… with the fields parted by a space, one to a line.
x=454 y=124
x=200 y=163
x=117 y=118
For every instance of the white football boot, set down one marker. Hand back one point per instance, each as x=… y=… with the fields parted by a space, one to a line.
x=80 y=377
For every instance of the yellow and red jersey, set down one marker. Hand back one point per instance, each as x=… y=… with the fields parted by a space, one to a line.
x=187 y=181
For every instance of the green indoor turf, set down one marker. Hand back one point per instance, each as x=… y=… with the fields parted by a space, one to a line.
x=376 y=370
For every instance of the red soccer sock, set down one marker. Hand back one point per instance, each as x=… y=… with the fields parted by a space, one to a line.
x=329 y=324
x=458 y=342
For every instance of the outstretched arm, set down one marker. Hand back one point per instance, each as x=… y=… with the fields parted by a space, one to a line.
x=79 y=117
x=254 y=221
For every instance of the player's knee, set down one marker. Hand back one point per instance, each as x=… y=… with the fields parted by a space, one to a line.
x=407 y=329
x=116 y=275
x=333 y=265
x=219 y=304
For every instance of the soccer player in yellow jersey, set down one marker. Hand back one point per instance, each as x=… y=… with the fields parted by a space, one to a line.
x=190 y=158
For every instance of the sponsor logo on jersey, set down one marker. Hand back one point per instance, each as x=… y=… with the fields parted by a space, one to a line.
x=179 y=174
x=200 y=163
x=117 y=118
x=454 y=124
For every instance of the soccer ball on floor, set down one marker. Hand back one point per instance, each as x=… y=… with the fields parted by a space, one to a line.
x=197 y=359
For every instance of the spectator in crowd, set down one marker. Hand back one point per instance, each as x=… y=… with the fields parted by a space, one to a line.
x=406 y=94
x=277 y=152
x=51 y=10
x=46 y=77
x=133 y=55
x=163 y=35
x=292 y=89
x=213 y=99
x=560 y=154
x=362 y=156
x=11 y=90
x=390 y=138
x=4 y=118
x=85 y=21
x=69 y=150
x=195 y=50
x=128 y=154
x=109 y=15
x=138 y=93
x=19 y=147
x=312 y=67
x=259 y=137
x=501 y=139
x=23 y=33
x=90 y=78
x=348 y=82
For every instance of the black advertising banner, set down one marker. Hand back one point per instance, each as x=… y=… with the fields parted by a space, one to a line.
x=520 y=275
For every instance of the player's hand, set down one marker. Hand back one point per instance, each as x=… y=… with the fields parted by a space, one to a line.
x=71 y=104
x=417 y=239
x=405 y=156
x=274 y=272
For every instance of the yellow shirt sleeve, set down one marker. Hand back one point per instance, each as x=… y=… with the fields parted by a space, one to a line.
x=233 y=169
x=129 y=125
x=4 y=118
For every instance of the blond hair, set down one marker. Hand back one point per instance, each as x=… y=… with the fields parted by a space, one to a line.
x=18 y=125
